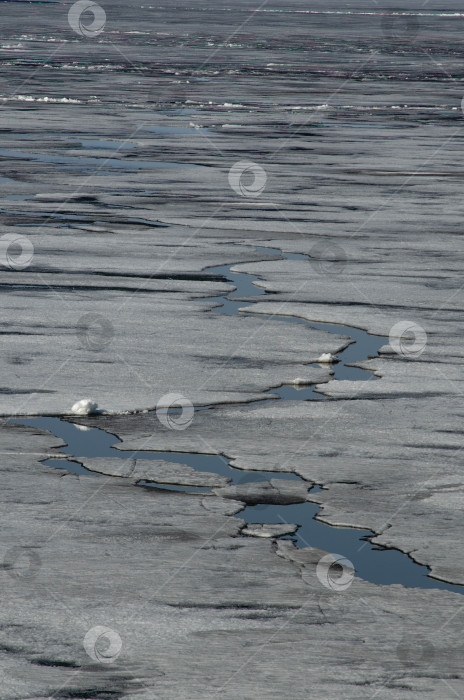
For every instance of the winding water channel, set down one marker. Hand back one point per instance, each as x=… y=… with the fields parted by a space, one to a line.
x=372 y=563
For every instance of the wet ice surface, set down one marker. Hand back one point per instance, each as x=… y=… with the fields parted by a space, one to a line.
x=375 y=564
x=347 y=121
x=362 y=345
x=82 y=162
x=372 y=563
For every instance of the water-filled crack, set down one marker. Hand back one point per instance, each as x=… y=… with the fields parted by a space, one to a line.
x=373 y=563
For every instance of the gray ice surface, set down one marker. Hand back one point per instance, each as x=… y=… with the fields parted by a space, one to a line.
x=198 y=610
x=114 y=164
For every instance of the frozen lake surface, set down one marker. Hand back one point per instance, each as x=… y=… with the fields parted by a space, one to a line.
x=372 y=563
x=204 y=200
x=375 y=564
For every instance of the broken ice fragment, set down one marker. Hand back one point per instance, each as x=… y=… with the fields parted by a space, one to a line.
x=327 y=358
x=269 y=530
x=301 y=380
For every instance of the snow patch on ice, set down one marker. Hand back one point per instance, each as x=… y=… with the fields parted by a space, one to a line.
x=327 y=358
x=30 y=98
x=84 y=407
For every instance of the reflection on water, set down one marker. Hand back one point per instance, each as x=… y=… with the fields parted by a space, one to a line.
x=378 y=565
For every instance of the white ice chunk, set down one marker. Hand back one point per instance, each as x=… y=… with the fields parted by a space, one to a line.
x=327 y=358
x=84 y=407
x=269 y=530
